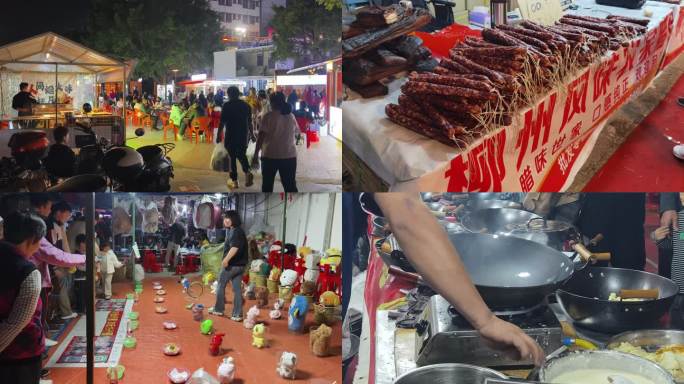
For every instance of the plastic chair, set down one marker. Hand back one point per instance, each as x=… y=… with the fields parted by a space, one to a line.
x=146 y=120
x=129 y=116
x=202 y=125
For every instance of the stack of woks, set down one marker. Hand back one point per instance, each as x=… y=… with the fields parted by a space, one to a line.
x=376 y=45
x=484 y=82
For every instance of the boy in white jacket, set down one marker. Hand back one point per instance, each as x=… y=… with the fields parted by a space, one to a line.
x=108 y=264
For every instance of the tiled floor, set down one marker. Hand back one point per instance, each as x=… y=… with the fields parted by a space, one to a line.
x=319 y=168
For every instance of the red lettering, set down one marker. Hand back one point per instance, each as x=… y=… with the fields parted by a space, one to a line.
x=535 y=128
x=485 y=167
x=602 y=76
x=526 y=180
x=576 y=101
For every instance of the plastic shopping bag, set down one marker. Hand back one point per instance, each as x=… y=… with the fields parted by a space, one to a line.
x=219 y=158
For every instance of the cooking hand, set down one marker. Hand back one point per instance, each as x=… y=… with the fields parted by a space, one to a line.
x=661 y=233
x=225 y=262
x=669 y=218
x=503 y=335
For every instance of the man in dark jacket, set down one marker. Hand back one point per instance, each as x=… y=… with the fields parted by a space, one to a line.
x=23 y=102
x=176 y=235
x=22 y=337
x=236 y=116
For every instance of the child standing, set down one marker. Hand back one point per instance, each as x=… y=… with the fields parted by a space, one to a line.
x=109 y=263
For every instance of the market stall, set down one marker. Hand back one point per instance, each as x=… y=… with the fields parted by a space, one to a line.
x=159 y=323
x=63 y=76
x=408 y=328
x=535 y=137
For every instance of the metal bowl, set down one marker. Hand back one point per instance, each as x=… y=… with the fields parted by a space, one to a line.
x=451 y=373
x=649 y=339
x=380 y=227
x=618 y=361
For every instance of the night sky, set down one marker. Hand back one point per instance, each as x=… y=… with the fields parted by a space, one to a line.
x=26 y=18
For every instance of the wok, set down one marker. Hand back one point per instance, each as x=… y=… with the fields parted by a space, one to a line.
x=510 y=272
x=483 y=204
x=497 y=220
x=585 y=299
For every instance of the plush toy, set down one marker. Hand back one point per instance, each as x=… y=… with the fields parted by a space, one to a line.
x=249 y=292
x=251 y=317
x=311 y=275
x=289 y=256
x=208 y=278
x=319 y=340
x=297 y=313
x=304 y=252
x=258 y=339
x=312 y=260
x=288 y=278
x=258 y=266
x=206 y=326
x=333 y=257
x=277 y=306
x=262 y=297
x=214 y=287
x=287 y=366
x=329 y=299
x=274 y=253
x=275 y=274
x=226 y=371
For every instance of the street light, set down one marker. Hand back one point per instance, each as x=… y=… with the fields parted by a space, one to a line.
x=242 y=31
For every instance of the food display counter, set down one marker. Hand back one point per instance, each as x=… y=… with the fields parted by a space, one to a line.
x=579 y=309
x=538 y=141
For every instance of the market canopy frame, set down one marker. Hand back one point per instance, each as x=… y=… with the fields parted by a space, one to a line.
x=50 y=52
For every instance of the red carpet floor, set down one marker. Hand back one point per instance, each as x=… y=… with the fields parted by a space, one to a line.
x=146 y=364
x=645 y=160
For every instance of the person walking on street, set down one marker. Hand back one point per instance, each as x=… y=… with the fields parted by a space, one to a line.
x=236 y=117
x=276 y=142
x=233 y=265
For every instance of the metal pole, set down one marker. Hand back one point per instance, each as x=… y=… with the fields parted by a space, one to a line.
x=90 y=284
x=56 y=85
x=282 y=256
x=123 y=96
x=329 y=220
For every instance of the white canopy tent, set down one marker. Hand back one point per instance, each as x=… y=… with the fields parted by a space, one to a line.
x=55 y=54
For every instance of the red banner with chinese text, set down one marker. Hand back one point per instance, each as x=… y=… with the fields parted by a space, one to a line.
x=676 y=44
x=540 y=149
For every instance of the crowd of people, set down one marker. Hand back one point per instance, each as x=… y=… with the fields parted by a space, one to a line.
x=42 y=270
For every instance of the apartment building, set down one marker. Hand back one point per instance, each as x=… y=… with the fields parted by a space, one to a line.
x=240 y=19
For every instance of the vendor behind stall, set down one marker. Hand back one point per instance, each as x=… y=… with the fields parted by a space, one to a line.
x=417 y=230
x=177 y=233
x=23 y=101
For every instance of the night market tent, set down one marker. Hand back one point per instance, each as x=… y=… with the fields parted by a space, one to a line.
x=51 y=55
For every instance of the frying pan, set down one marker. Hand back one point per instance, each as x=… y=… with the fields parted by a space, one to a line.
x=585 y=299
x=510 y=272
x=482 y=204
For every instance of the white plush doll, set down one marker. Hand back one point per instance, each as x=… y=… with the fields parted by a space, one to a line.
x=226 y=371
x=256 y=266
x=288 y=278
x=252 y=314
x=311 y=275
x=214 y=287
x=277 y=306
x=287 y=367
x=312 y=260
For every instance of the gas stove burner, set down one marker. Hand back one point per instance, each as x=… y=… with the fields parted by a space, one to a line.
x=510 y=314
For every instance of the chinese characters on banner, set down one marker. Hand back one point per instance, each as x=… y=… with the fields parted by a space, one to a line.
x=676 y=44
x=540 y=149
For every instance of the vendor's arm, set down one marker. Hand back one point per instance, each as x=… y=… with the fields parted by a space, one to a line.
x=23 y=309
x=427 y=247
x=50 y=254
x=231 y=253
x=669 y=206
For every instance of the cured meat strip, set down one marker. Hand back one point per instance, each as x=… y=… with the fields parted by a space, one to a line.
x=442 y=121
x=498 y=37
x=512 y=52
x=540 y=45
x=541 y=33
x=443 y=71
x=394 y=113
x=413 y=110
x=455 y=81
x=488 y=61
x=454 y=66
x=420 y=88
x=494 y=76
x=588 y=25
x=642 y=22
x=455 y=106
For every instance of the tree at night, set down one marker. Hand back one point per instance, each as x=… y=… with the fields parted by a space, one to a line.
x=307 y=31
x=161 y=34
